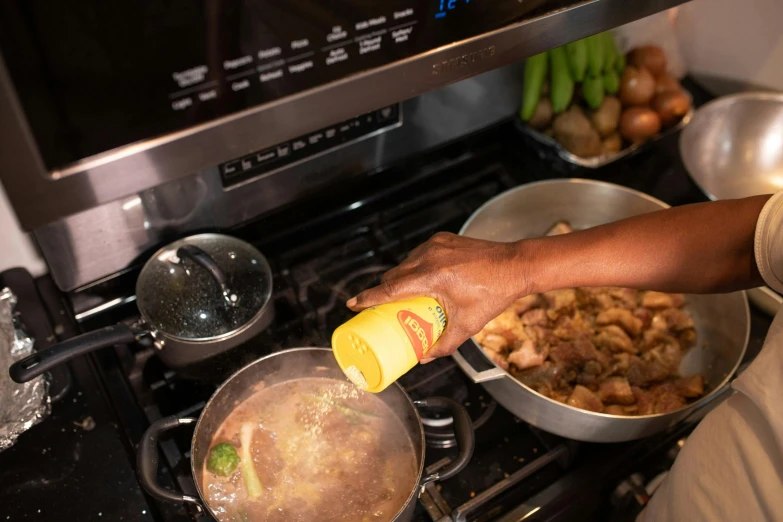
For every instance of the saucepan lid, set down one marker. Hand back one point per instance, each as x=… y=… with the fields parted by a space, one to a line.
x=204 y=287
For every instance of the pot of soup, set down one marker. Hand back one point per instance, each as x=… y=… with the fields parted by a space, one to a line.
x=289 y=438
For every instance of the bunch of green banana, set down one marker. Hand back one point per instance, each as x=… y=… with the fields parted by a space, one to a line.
x=593 y=61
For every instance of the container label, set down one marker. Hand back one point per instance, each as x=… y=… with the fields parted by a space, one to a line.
x=418 y=330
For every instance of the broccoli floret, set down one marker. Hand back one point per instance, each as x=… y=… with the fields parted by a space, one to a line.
x=223 y=459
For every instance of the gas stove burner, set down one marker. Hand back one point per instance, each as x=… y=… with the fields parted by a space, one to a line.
x=439 y=431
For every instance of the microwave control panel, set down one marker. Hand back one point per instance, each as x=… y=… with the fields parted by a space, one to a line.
x=94 y=75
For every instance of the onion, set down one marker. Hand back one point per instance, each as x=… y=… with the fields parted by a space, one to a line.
x=639 y=123
x=671 y=106
x=637 y=86
x=650 y=57
x=666 y=83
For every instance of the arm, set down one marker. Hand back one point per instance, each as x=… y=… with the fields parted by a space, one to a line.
x=700 y=248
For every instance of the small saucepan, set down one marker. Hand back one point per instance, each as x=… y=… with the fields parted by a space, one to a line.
x=303 y=366
x=197 y=297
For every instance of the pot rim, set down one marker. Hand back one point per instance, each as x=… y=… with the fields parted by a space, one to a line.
x=625 y=419
x=263 y=309
x=413 y=495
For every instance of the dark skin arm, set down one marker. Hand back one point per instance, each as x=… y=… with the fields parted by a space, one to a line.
x=702 y=248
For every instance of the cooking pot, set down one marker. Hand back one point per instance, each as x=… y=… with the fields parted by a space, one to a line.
x=722 y=321
x=197 y=297
x=287 y=365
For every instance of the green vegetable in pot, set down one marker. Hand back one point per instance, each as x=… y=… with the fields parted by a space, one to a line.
x=223 y=459
x=248 y=470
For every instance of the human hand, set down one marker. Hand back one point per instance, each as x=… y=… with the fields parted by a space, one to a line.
x=473 y=280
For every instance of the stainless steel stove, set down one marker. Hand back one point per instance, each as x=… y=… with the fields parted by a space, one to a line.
x=327 y=249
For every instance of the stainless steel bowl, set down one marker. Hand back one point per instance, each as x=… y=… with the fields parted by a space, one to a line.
x=733 y=148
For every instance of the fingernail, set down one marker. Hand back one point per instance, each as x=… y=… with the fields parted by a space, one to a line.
x=351 y=302
x=425 y=361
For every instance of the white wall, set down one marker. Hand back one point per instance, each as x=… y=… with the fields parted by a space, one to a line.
x=16 y=247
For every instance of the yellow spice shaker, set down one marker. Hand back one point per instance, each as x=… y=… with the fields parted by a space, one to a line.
x=380 y=344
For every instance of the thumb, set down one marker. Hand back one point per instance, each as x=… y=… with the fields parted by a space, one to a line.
x=386 y=292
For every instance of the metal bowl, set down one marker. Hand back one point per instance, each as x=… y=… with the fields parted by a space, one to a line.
x=733 y=147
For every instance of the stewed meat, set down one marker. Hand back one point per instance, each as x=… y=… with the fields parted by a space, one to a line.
x=612 y=350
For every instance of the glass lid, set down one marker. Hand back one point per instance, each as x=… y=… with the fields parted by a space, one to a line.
x=203 y=287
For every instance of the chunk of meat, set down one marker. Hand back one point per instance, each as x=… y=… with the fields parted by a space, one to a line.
x=560 y=228
x=690 y=387
x=540 y=335
x=544 y=376
x=621 y=317
x=643 y=373
x=645 y=402
x=645 y=316
x=576 y=353
x=560 y=300
x=616 y=409
x=653 y=338
x=523 y=304
x=527 y=355
x=662 y=300
x=496 y=343
x=614 y=338
x=687 y=339
x=673 y=320
x=506 y=324
x=583 y=398
x=616 y=390
x=668 y=355
x=497 y=358
x=535 y=317
x=667 y=398
x=571 y=328
x=625 y=297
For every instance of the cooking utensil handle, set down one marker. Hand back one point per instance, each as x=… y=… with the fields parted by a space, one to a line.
x=205 y=261
x=147 y=461
x=469 y=357
x=463 y=429
x=42 y=361
x=767 y=299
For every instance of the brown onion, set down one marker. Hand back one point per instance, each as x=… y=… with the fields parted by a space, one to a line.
x=666 y=83
x=639 y=123
x=651 y=57
x=637 y=86
x=671 y=106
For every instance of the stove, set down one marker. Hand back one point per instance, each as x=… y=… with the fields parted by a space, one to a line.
x=325 y=250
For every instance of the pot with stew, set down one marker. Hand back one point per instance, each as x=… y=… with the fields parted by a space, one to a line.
x=289 y=438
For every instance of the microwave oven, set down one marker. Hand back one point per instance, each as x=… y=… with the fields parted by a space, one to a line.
x=145 y=116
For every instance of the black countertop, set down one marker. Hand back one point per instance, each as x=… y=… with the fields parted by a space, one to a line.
x=74 y=465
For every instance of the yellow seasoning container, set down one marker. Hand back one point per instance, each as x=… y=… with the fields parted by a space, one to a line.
x=380 y=344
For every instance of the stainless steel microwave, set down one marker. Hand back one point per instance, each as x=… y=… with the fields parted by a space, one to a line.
x=103 y=101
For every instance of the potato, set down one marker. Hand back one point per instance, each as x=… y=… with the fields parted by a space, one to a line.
x=612 y=144
x=574 y=131
x=607 y=117
x=542 y=116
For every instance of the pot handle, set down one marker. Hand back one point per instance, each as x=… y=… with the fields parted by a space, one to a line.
x=147 y=461
x=42 y=361
x=477 y=366
x=463 y=429
x=205 y=261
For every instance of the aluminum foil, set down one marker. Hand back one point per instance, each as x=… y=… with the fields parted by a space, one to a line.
x=21 y=405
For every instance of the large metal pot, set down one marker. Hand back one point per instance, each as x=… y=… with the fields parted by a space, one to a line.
x=297 y=363
x=198 y=296
x=722 y=321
